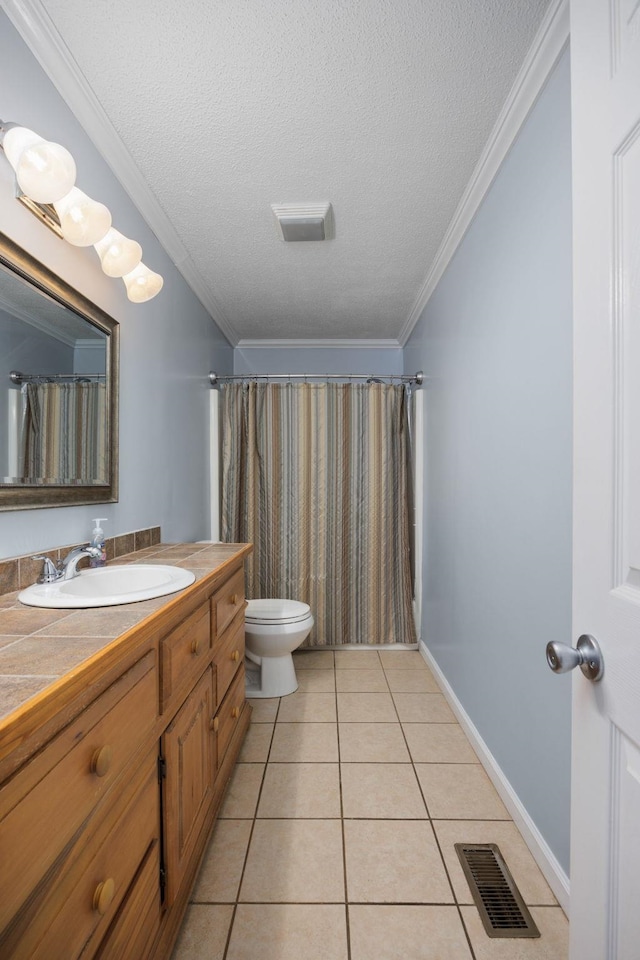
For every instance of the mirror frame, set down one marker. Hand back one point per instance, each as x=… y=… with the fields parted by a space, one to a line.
x=43 y=279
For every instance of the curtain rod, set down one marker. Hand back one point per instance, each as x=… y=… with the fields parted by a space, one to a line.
x=418 y=377
x=16 y=377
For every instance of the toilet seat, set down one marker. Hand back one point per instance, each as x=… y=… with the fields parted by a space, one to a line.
x=276 y=611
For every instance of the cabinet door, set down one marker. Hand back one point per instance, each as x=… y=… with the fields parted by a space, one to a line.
x=189 y=752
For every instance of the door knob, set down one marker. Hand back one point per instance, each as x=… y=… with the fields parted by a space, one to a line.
x=587 y=655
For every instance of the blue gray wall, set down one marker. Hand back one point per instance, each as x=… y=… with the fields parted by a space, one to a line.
x=318 y=360
x=168 y=345
x=496 y=340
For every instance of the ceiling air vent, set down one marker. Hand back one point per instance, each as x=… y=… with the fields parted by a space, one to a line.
x=303 y=221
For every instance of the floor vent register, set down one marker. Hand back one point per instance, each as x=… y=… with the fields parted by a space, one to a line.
x=495 y=894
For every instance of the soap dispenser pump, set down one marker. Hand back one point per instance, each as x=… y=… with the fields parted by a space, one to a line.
x=97 y=540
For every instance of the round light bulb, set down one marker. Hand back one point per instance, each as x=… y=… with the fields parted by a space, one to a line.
x=46 y=172
x=118 y=255
x=142 y=284
x=83 y=221
x=15 y=140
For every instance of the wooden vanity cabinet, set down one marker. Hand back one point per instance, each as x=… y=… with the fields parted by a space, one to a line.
x=104 y=818
x=200 y=746
x=75 y=822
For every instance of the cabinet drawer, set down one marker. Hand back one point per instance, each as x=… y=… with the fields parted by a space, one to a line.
x=229 y=714
x=184 y=654
x=74 y=911
x=228 y=654
x=45 y=804
x=133 y=929
x=227 y=602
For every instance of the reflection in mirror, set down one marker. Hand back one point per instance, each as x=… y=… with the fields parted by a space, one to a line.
x=52 y=407
x=58 y=389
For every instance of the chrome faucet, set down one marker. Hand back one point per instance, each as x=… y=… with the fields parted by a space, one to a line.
x=67 y=568
x=49 y=572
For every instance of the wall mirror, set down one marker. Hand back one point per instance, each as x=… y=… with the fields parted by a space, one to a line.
x=58 y=390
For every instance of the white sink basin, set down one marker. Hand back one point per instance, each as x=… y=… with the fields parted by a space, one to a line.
x=108 y=586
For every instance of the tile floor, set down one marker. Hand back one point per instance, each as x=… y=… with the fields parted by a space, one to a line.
x=335 y=839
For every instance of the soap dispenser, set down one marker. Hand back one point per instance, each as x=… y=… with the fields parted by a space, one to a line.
x=97 y=540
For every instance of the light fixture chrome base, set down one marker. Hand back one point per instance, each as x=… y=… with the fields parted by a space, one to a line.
x=45 y=212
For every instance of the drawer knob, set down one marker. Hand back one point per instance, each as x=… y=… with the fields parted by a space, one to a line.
x=235 y=656
x=234 y=598
x=235 y=712
x=195 y=646
x=101 y=760
x=103 y=896
x=215 y=723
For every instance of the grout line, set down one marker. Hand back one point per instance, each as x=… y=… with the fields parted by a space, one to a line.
x=427 y=818
x=347 y=917
x=439 y=847
x=251 y=831
x=437 y=841
x=229 y=931
x=338 y=903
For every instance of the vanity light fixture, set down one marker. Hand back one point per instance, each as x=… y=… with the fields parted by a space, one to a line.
x=118 y=255
x=83 y=221
x=45 y=175
x=45 y=171
x=142 y=284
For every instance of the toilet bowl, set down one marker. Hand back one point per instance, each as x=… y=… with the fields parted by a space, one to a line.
x=273 y=630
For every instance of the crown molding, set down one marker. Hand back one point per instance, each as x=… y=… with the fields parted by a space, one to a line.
x=318 y=344
x=545 y=51
x=36 y=28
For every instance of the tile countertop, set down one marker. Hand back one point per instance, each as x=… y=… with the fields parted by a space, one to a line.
x=39 y=646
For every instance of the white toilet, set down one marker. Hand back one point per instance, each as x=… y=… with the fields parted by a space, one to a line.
x=273 y=630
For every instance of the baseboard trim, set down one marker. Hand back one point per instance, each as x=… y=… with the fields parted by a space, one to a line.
x=540 y=850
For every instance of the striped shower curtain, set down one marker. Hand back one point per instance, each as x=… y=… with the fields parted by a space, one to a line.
x=64 y=436
x=316 y=476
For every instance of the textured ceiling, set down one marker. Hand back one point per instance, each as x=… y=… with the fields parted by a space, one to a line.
x=381 y=107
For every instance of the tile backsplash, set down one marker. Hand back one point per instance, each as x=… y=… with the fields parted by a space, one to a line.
x=20 y=572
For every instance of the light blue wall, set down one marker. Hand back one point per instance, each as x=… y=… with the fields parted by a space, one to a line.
x=318 y=360
x=168 y=345
x=496 y=340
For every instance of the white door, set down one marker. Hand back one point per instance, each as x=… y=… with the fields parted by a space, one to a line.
x=605 y=806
